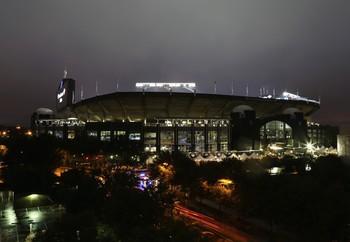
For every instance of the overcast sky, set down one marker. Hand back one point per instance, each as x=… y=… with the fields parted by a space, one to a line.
x=298 y=46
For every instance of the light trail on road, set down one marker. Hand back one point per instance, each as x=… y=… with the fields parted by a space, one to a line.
x=225 y=231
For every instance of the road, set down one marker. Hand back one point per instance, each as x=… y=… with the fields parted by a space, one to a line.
x=226 y=232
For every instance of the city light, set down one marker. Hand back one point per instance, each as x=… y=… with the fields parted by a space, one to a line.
x=274 y=147
x=34 y=214
x=33 y=196
x=310 y=146
x=275 y=170
x=12 y=216
x=225 y=182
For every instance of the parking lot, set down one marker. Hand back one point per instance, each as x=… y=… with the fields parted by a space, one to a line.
x=17 y=223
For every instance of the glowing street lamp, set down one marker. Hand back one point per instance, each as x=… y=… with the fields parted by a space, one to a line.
x=310 y=147
x=32 y=198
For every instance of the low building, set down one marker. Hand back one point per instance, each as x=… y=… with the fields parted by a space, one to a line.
x=343 y=140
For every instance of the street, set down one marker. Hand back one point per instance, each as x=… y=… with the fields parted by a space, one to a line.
x=224 y=231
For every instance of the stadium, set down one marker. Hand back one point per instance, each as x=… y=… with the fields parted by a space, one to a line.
x=187 y=121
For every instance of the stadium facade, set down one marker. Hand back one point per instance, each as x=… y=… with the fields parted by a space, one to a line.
x=185 y=121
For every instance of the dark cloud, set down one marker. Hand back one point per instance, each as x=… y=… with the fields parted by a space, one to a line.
x=301 y=46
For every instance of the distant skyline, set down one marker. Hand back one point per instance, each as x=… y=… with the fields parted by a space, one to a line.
x=298 y=46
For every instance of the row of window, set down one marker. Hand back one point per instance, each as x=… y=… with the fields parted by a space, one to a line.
x=191 y=122
x=167 y=139
x=276 y=131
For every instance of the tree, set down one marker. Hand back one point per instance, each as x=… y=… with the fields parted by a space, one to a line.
x=185 y=170
x=128 y=208
x=211 y=172
x=105 y=233
x=331 y=169
x=177 y=231
x=79 y=192
x=31 y=161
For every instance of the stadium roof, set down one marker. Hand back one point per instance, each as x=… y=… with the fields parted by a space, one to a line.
x=138 y=106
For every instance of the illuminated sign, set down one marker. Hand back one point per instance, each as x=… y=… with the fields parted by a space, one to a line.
x=290 y=95
x=60 y=95
x=65 y=94
x=168 y=85
x=61 y=85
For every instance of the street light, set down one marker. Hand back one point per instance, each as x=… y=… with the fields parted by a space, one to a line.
x=310 y=146
x=30 y=222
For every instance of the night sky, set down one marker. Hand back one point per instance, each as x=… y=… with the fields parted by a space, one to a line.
x=298 y=46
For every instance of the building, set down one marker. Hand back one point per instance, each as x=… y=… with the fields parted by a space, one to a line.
x=44 y=121
x=322 y=135
x=185 y=121
x=343 y=140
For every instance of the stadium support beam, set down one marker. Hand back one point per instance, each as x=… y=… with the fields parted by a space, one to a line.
x=190 y=106
x=222 y=110
x=103 y=107
x=124 y=114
